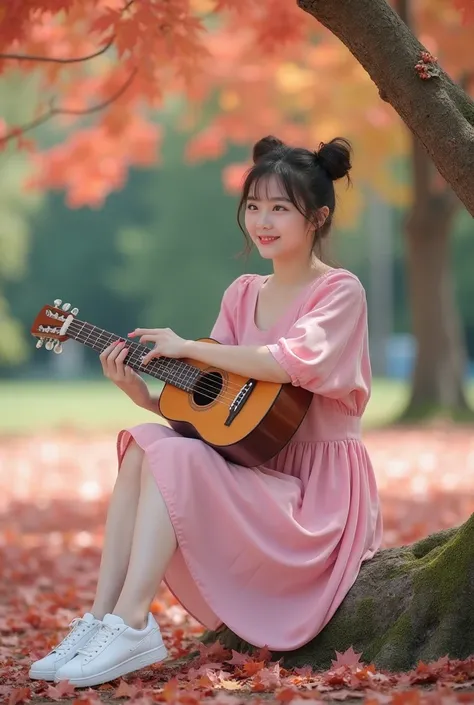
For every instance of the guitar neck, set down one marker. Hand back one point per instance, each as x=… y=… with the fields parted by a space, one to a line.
x=176 y=372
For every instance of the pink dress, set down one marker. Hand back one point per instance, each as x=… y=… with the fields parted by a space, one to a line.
x=272 y=551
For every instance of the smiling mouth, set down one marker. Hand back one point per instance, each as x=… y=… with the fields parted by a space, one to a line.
x=265 y=239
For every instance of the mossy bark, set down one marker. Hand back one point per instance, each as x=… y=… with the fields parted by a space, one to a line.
x=408 y=604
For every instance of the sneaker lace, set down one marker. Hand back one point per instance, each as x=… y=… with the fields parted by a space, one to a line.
x=78 y=628
x=100 y=639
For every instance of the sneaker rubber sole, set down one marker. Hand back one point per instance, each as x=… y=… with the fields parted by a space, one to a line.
x=42 y=675
x=132 y=664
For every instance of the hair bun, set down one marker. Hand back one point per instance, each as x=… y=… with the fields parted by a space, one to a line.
x=265 y=146
x=335 y=157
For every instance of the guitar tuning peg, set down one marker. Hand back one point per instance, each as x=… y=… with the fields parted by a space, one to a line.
x=66 y=307
x=49 y=344
x=58 y=348
x=40 y=343
x=57 y=302
x=75 y=311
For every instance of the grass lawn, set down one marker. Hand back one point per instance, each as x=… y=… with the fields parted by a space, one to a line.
x=37 y=406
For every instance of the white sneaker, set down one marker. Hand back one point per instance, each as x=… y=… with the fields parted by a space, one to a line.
x=115 y=650
x=82 y=629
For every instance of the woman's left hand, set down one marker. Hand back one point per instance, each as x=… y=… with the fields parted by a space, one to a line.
x=166 y=343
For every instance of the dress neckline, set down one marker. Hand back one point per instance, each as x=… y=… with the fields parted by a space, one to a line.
x=262 y=278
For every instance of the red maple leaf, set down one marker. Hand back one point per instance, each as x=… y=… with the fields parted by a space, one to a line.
x=215 y=652
x=239 y=659
x=252 y=667
x=264 y=654
x=348 y=658
x=61 y=690
x=268 y=678
x=126 y=690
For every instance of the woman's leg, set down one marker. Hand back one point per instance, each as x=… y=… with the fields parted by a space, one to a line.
x=119 y=532
x=154 y=543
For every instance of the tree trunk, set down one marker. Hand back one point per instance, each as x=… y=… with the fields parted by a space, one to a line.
x=438 y=381
x=436 y=110
x=408 y=604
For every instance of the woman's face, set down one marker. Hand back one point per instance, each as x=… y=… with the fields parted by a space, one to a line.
x=274 y=224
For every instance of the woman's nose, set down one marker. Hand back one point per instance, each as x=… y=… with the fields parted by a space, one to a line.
x=264 y=220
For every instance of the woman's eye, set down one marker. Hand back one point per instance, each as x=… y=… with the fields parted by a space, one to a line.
x=253 y=207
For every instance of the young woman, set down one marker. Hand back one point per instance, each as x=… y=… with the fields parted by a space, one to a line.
x=269 y=551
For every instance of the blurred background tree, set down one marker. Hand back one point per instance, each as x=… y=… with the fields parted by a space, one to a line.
x=16 y=209
x=146 y=148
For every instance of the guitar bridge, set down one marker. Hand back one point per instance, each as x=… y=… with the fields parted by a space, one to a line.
x=239 y=400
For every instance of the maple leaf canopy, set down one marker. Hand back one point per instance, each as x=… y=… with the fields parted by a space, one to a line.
x=103 y=70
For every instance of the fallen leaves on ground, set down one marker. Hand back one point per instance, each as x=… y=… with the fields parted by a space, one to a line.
x=53 y=502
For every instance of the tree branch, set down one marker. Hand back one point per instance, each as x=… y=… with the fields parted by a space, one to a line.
x=437 y=110
x=52 y=112
x=52 y=59
x=74 y=60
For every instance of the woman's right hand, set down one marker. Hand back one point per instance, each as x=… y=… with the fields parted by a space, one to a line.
x=126 y=379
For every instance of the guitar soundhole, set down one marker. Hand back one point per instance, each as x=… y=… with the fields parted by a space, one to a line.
x=207 y=389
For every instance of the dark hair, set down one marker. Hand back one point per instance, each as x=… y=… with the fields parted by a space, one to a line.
x=306 y=176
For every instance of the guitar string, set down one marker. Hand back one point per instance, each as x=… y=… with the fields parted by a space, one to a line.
x=175 y=376
x=172 y=377
x=209 y=386
x=166 y=364
x=232 y=387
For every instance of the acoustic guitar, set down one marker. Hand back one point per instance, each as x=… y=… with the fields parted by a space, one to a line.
x=245 y=420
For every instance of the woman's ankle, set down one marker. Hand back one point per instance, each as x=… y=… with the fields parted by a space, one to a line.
x=133 y=619
x=99 y=612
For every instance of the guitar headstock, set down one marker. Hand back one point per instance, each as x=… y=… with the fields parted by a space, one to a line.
x=48 y=323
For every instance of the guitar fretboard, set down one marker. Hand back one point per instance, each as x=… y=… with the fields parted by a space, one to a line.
x=176 y=372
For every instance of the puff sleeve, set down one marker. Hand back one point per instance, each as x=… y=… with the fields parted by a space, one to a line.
x=326 y=349
x=224 y=329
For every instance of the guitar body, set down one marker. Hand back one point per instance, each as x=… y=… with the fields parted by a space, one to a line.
x=264 y=424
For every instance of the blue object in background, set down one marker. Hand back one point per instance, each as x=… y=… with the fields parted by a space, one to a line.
x=400 y=356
